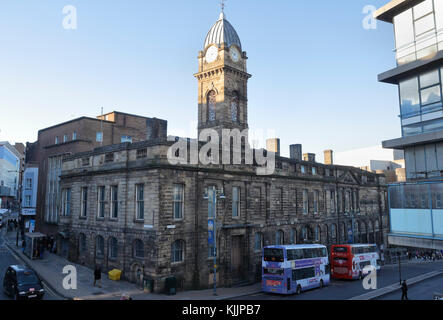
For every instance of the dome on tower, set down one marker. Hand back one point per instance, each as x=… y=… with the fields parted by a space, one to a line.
x=222 y=32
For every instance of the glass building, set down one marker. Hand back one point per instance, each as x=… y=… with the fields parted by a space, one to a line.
x=416 y=211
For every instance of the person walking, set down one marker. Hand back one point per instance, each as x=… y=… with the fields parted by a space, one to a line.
x=404 y=290
x=98 y=276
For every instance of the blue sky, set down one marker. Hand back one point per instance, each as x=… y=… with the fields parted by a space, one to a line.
x=314 y=66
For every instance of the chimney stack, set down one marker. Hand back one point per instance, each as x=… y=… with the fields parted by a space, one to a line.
x=273 y=145
x=295 y=152
x=329 y=157
x=310 y=157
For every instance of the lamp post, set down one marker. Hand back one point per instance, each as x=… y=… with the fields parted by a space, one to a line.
x=399 y=265
x=214 y=194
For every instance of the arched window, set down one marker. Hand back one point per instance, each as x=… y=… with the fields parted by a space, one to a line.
x=178 y=251
x=344 y=232
x=139 y=249
x=258 y=241
x=113 y=248
x=82 y=243
x=212 y=99
x=317 y=234
x=293 y=238
x=279 y=238
x=334 y=232
x=304 y=233
x=234 y=108
x=100 y=246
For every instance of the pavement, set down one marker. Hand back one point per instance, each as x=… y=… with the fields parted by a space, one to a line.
x=50 y=270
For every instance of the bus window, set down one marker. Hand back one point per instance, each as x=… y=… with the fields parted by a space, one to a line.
x=279 y=272
x=308 y=253
x=274 y=255
x=324 y=252
x=340 y=249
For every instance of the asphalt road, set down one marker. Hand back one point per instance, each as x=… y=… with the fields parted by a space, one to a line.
x=7 y=259
x=346 y=289
x=421 y=291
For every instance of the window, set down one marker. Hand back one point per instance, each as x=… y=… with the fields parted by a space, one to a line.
x=293 y=237
x=101 y=202
x=317 y=234
x=27 y=201
x=305 y=202
x=178 y=201
x=114 y=202
x=177 y=251
x=126 y=139
x=66 y=202
x=113 y=248
x=139 y=249
x=235 y=202
x=74 y=136
x=100 y=249
x=304 y=233
x=142 y=153
x=56 y=140
x=332 y=199
x=28 y=183
x=140 y=203
x=84 y=209
x=65 y=138
x=334 y=232
x=234 y=109
x=258 y=242
x=279 y=238
x=82 y=243
x=314 y=171
x=316 y=195
x=212 y=99
x=303 y=169
x=99 y=137
x=304 y=273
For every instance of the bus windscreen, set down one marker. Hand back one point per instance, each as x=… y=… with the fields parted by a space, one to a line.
x=274 y=255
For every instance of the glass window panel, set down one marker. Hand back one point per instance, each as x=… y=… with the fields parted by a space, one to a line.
x=412 y=130
x=426 y=52
x=430 y=78
x=430 y=95
x=433 y=125
x=404 y=31
x=409 y=97
x=424 y=24
x=423 y=9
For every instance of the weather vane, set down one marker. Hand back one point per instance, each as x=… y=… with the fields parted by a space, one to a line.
x=222 y=3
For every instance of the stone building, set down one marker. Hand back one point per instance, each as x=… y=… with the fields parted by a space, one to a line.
x=79 y=135
x=127 y=206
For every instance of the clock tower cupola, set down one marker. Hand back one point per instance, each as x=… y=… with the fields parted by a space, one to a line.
x=222 y=80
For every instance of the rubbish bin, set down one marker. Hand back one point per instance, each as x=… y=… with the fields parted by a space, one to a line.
x=149 y=285
x=171 y=285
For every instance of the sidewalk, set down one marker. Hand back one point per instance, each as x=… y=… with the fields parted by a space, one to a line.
x=50 y=270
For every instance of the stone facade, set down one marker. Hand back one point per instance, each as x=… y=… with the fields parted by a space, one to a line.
x=299 y=205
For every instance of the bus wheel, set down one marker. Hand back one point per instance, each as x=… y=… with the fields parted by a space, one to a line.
x=298 y=289
x=322 y=284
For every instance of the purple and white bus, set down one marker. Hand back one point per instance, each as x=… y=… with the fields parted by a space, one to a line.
x=289 y=269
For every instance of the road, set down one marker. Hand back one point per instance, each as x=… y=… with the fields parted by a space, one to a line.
x=421 y=291
x=7 y=259
x=343 y=290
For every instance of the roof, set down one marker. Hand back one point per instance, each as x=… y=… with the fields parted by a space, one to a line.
x=222 y=32
x=393 y=8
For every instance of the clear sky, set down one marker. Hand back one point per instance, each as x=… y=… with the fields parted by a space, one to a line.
x=314 y=66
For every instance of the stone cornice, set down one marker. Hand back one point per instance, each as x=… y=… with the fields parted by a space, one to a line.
x=221 y=70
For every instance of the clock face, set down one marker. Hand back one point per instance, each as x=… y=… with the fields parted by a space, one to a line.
x=211 y=54
x=235 y=55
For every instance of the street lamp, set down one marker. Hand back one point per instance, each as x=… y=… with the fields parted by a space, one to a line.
x=213 y=197
x=399 y=264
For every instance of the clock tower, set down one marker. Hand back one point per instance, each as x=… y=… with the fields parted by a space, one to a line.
x=222 y=80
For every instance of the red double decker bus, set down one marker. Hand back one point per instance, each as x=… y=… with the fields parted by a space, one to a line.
x=348 y=261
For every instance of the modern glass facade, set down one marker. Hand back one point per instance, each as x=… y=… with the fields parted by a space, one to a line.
x=417 y=209
x=419 y=31
x=421 y=103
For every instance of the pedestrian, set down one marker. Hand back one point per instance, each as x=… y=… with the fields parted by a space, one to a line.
x=404 y=290
x=97 y=276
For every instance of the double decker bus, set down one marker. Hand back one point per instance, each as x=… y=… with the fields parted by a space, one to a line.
x=289 y=269
x=348 y=261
